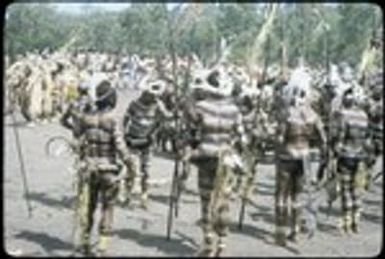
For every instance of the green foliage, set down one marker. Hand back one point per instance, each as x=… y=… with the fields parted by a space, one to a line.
x=33 y=26
x=144 y=29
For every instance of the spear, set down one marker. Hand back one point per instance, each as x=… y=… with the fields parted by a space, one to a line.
x=174 y=185
x=22 y=166
x=283 y=46
x=245 y=198
x=267 y=59
x=261 y=37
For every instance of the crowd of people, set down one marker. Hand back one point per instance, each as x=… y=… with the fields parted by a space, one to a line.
x=222 y=119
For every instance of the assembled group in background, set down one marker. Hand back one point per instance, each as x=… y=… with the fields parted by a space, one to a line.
x=229 y=119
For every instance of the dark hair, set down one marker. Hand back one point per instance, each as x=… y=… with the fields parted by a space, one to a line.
x=247 y=102
x=347 y=98
x=212 y=79
x=348 y=91
x=82 y=91
x=106 y=96
x=60 y=67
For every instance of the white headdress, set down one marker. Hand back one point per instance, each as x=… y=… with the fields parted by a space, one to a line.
x=213 y=81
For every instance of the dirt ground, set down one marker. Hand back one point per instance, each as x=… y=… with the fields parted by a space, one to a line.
x=143 y=233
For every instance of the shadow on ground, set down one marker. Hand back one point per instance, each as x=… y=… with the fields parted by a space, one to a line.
x=173 y=246
x=328 y=228
x=335 y=210
x=266 y=185
x=47 y=242
x=375 y=203
x=17 y=124
x=266 y=217
x=372 y=218
x=261 y=234
x=41 y=197
x=263 y=191
x=161 y=198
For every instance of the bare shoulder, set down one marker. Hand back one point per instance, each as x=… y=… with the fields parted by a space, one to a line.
x=111 y=116
x=361 y=114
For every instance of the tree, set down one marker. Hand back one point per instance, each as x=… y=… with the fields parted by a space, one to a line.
x=306 y=29
x=33 y=26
